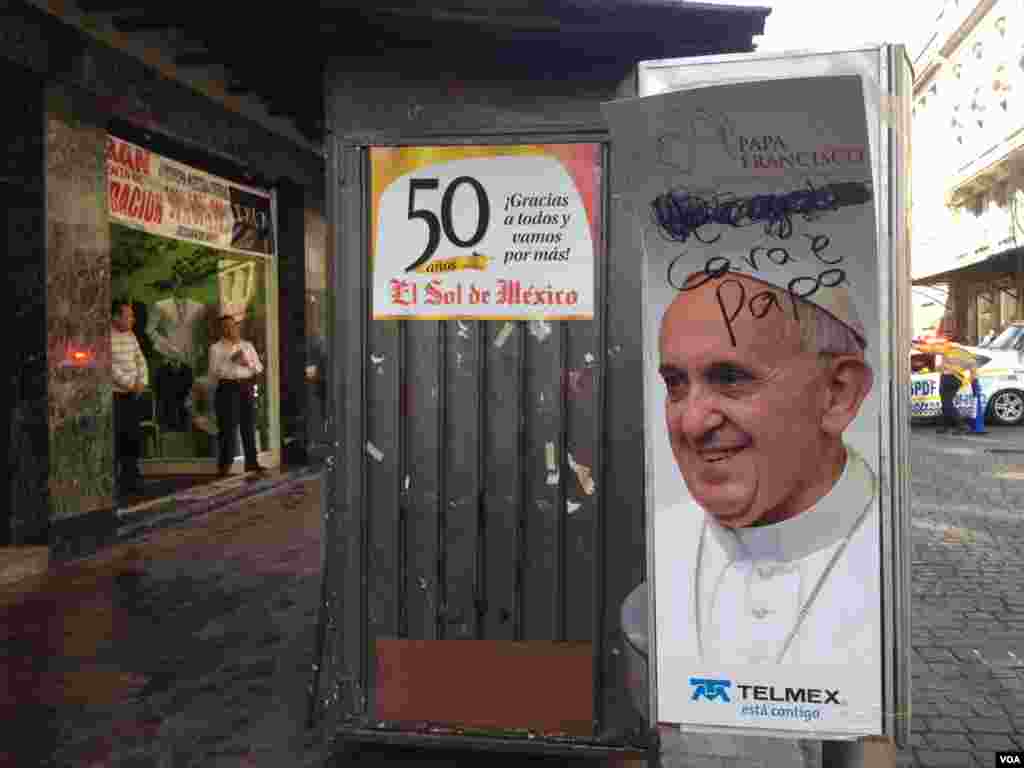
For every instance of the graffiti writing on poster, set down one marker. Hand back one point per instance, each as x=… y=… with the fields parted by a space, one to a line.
x=680 y=215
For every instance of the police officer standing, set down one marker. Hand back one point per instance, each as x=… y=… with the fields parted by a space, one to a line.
x=956 y=366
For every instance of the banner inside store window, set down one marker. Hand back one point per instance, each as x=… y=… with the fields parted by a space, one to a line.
x=156 y=195
x=485 y=232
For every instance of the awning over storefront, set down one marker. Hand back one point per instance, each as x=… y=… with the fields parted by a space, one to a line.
x=1006 y=263
x=281 y=62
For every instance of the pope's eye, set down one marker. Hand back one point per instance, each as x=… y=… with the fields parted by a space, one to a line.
x=672 y=380
x=728 y=375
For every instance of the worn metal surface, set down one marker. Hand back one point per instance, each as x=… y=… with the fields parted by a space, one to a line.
x=24 y=508
x=488 y=477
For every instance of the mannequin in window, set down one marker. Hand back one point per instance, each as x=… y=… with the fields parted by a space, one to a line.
x=175 y=325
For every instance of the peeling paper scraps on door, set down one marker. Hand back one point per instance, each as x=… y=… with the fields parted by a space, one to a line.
x=584 y=475
x=463 y=329
x=503 y=334
x=549 y=458
x=579 y=382
x=572 y=506
x=375 y=453
x=540 y=329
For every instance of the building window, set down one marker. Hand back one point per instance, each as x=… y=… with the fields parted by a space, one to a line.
x=1001 y=26
x=978 y=100
x=977 y=50
x=1001 y=79
x=986 y=313
x=1009 y=303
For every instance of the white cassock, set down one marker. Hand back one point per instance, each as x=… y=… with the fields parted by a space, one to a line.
x=728 y=596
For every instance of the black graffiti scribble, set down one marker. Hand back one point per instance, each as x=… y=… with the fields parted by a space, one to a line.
x=761 y=303
x=680 y=215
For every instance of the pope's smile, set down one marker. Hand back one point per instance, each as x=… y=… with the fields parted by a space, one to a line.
x=721 y=454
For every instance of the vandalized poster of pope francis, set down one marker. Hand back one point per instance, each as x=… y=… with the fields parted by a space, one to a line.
x=755 y=211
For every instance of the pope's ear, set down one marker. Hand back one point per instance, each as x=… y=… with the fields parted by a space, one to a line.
x=849 y=381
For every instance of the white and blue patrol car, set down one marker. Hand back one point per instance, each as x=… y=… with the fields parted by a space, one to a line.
x=1000 y=374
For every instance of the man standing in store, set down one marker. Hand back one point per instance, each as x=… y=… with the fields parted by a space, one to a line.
x=233 y=366
x=956 y=367
x=131 y=376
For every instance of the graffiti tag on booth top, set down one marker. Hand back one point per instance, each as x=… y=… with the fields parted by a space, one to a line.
x=679 y=215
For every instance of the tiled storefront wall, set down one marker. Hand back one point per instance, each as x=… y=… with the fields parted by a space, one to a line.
x=78 y=307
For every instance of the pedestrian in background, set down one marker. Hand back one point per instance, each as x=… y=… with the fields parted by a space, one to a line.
x=130 y=377
x=956 y=366
x=234 y=364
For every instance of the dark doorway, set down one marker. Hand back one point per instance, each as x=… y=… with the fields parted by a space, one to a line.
x=23 y=509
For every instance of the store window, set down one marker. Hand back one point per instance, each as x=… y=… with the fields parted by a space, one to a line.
x=187 y=249
x=986 y=313
x=1010 y=305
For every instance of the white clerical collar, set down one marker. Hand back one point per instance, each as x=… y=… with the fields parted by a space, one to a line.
x=821 y=526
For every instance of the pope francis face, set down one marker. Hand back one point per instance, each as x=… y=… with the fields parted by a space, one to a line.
x=754 y=419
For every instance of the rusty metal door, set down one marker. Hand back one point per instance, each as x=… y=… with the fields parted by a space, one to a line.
x=487 y=484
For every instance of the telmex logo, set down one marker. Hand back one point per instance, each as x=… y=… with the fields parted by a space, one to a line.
x=712 y=690
x=715 y=690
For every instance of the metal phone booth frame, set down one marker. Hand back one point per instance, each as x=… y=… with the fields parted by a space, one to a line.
x=484 y=514
x=461 y=589
x=449 y=552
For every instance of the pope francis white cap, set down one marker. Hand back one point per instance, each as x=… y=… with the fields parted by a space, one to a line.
x=829 y=292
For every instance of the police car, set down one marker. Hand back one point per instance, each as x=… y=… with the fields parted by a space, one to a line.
x=1000 y=375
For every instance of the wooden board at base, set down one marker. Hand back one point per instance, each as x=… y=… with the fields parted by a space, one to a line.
x=540 y=686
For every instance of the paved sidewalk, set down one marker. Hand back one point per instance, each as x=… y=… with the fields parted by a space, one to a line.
x=192 y=647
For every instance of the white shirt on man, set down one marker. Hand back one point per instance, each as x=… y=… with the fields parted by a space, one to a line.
x=127 y=363
x=223 y=367
x=753 y=583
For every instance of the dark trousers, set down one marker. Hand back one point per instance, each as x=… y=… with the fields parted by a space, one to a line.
x=233 y=402
x=172 y=384
x=949 y=385
x=127 y=436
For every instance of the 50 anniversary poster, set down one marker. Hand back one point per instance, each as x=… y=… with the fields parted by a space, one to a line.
x=485 y=232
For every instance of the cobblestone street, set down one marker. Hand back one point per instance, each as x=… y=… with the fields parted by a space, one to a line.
x=968 y=597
